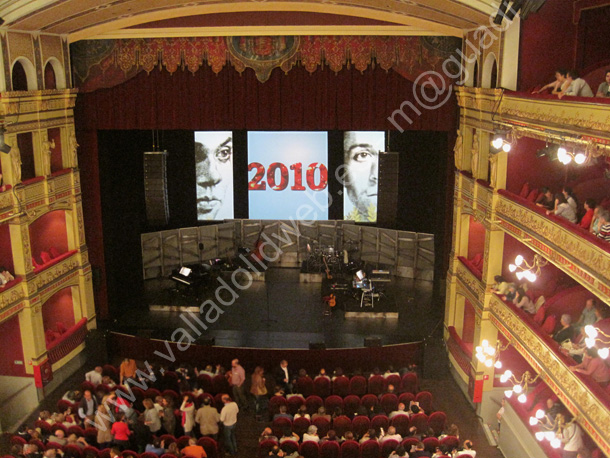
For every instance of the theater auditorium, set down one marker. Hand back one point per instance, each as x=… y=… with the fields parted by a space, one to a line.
x=316 y=229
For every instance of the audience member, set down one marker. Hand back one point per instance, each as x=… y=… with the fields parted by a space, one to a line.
x=391 y=435
x=169 y=419
x=419 y=451
x=311 y=434
x=368 y=436
x=594 y=228
x=302 y=412
x=228 y=417
x=400 y=411
x=546 y=199
x=283 y=414
x=94 y=376
x=523 y=302
x=577 y=86
x=237 y=379
x=151 y=416
x=592 y=364
x=59 y=437
x=604 y=88
x=157 y=447
x=567 y=331
x=400 y=452
x=289 y=435
x=560 y=84
x=188 y=414
x=267 y=435
x=563 y=209
x=604 y=225
x=194 y=450
x=467 y=449
x=512 y=292
x=321 y=414
x=258 y=389
x=127 y=370
x=102 y=424
x=571 y=199
x=208 y=418
x=587 y=218
x=576 y=348
x=572 y=440
x=87 y=406
x=5 y=276
x=500 y=286
x=587 y=316
x=331 y=436
x=120 y=432
x=172 y=449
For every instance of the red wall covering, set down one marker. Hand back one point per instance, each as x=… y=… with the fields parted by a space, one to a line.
x=476 y=238
x=12 y=349
x=298 y=100
x=26 y=148
x=49 y=231
x=593 y=44
x=6 y=251
x=468 y=325
x=548 y=42
x=59 y=308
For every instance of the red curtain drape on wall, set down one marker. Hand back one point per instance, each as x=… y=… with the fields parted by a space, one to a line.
x=297 y=100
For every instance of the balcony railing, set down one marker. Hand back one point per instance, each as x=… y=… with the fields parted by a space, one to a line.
x=68 y=342
x=572 y=249
x=581 y=395
x=461 y=351
x=467 y=276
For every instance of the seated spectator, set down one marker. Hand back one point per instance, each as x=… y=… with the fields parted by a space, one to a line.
x=338 y=372
x=79 y=442
x=418 y=450
x=594 y=228
x=288 y=435
x=302 y=412
x=400 y=411
x=94 y=376
x=594 y=366
x=453 y=430
x=414 y=408
x=157 y=447
x=400 y=452
x=467 y=450
x=58 y=437
x=563 y=209
x=276 y=451
x=391 y=435
x=311 y=434
x=523 y=302
x=194 y=450
x=391 y=371
x=283 y=414
x=560 y=83
x=577 y=87
x=267 y=435
x=5 y=276
x=575 y=349
x=545 y=199
x=500 y=286
x=604 y=89
x=172 y=449
x=601 y=311
x=512 y=292
x=338 y=412
x=587 y=218
x=570 y=198
x=106 y=380
x=567 y=331
x=348 y=436
x=29 y=451
x=321 y=413
x=323 y=374
x=369 y=435
x=331 y=436
x=587 y=316
x=604 y=225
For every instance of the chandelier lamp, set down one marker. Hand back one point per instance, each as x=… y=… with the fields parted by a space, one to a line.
x=520 y=386
x=595 y=335
x=504 y=140
x=490 y=356
x=552 y=431
x=565 y=157
x=525 y=270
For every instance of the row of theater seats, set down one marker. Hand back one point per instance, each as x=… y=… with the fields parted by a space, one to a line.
x=360 y=424
x=350 y=404
x=210 y=446
x=352 y=449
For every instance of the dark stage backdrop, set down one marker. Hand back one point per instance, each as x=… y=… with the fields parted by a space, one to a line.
x=114 y=128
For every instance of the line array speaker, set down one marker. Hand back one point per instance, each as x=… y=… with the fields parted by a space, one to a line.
x=155 y=188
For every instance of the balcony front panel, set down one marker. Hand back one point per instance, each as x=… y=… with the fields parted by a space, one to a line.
x=26 y=111
x=579 y=257
x=583 y=399
x=56 y=277
x=472 y=287
x=11 y=298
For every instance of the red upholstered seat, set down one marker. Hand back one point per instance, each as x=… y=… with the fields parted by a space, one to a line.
x=342 y=424
x=525 y=190
x=549 y=325
x=380 y=421
x=45 y=257
x=430 y=444
x=322 y=424
x=274 y=404
x=45 y=428
x=183 y=441
x=437 y=421
x=408 y=442
x=90 y=450
x=304 y=386
x=203 y=396
x=410 y=383
x=341 y=386
x=330 y=449
x=370 y=449
x=376 y=384
x=351 y=404
x=425 y=401
x=401 y=423
x=54 y=252
x=109 y=370
x=532 y=196
x=289 y=447
x=75 y=429
x=321 y=387
x=75 y=451
x=220 y=384
x=128 y=453
x=389 y=403
x=332 y=402
x=167 y=439
x=309 y=449
x=360 y=425
x=388 y=446
x=357 y=385
x=205 y=382
x=294 y=403
x=265 y=447
x=210 y=446
x=394 y=380
x=369 y=400
x=279 y=425
x=350 y=449
x=450 y=442
x=420 y=421
x=17 y=440
x=300 y=425
x=406 y=399
x=313 y=403
x=148 y=455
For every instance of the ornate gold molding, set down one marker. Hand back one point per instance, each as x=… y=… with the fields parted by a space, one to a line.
x=472 y=286
x=593 y=414
x=45 y=278
x=573 y=254
x=11 y=295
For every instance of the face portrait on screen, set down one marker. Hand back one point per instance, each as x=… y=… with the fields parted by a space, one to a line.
x=214 y=175
x=361 y=157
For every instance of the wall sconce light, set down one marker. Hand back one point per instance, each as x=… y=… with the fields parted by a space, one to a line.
x=565 y=157
x=504 y=140
x=490 y=356
x=520 y=386
x=552 y=431
x=593 y=336
x=525 y=270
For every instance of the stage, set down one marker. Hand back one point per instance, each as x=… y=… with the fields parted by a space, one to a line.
x=282 y=311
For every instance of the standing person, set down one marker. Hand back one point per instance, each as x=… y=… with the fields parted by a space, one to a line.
x=120 y=431
x=102 y=424
x=282 y=377
x=259 y=389
x=188 y=414
x=238 y=377
x=571 y=437
x=151 y=416
x=169 y=419
x=94 y=376
x=87 y=406
x=228 y=417
x=208 y=417
x=127 y=370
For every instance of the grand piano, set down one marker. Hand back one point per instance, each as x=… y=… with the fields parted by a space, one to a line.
x=192 y=275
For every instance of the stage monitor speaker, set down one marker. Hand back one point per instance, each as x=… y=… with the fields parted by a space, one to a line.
x=370 y=342
x=317 y=346
x=387 y=190
x=155 y=188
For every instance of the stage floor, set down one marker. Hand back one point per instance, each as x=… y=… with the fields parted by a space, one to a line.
x=282 y=312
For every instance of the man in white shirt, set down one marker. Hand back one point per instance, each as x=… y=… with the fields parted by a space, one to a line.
x=391 y=435
x=94 y=376
x=400 y=411
x=572 y=440
x=578 y=87
x=228 y=417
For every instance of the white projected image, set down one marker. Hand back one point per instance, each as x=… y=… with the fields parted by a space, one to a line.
x=214 y=175
x=288 y=175
x=360 y=174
